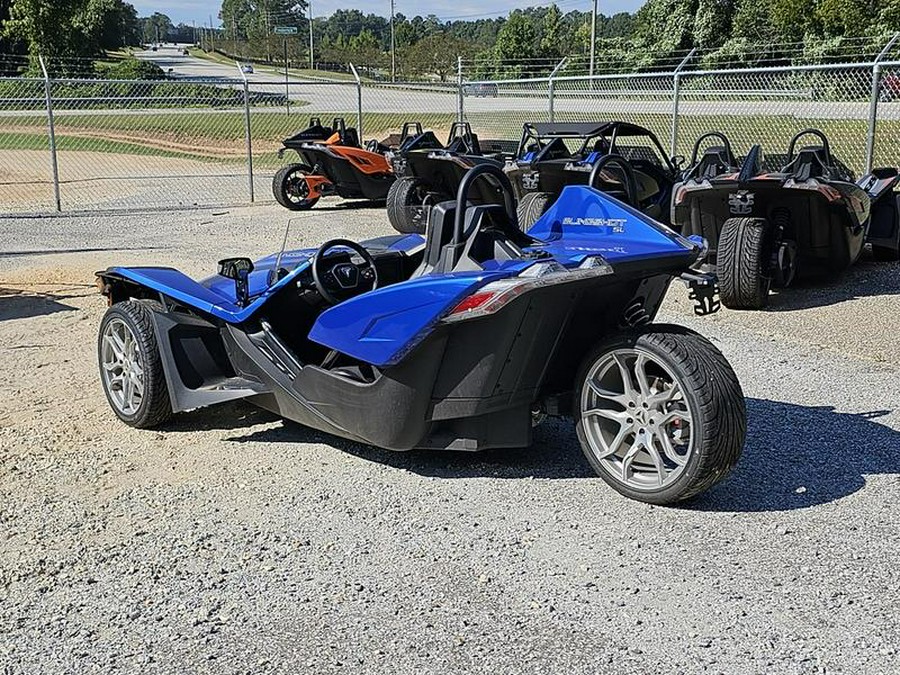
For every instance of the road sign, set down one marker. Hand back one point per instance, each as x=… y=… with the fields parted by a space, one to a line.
x=285 y=30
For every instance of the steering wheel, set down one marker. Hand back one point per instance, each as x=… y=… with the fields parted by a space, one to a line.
x=345 y=277
x=625 y=171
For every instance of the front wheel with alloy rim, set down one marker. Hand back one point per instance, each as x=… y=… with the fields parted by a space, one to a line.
x=659 y=414
x=130 y=368
x=291 y=189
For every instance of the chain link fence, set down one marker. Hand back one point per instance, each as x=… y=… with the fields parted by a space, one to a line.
x=118 y=144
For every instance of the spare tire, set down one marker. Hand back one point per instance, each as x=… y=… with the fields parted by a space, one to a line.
x=405 y=206
x=532 y=207
x=742 y=262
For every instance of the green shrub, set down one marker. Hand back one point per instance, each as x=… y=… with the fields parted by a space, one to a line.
x=131 y=69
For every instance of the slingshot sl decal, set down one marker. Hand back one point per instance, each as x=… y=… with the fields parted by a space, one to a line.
x=612 y=225
x=741 y=203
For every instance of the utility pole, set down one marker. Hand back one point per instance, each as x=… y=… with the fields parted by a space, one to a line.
x=311 y=62
x=593 y=36
x=212 y=35
x=393 y=53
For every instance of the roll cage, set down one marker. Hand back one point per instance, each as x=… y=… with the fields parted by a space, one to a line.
x=541 y=138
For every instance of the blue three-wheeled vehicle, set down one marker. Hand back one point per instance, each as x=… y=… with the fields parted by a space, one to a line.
x=462 y=340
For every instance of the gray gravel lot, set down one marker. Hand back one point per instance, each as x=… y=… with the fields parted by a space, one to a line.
x=232 y=542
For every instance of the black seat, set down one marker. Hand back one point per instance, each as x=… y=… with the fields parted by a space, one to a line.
x=811 y=162
x=438 y=234
x=350 y=137
x=716 y=160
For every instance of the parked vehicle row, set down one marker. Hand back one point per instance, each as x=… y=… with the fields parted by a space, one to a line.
x=524 y=283
x=767 y=221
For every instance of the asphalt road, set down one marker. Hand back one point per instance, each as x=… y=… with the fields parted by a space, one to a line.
x=231 y=542
x=646 y=96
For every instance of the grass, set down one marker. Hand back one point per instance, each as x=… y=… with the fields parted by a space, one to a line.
x=217 y=135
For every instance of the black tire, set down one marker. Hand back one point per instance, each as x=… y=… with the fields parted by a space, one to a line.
x=155 y=406
x=402 y=200
x=711 y=392
x=284 y=184
x=742 y=261
x=532 y=207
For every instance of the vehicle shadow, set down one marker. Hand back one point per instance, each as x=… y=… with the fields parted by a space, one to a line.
x=865 y=279
x=799 y=456
x=795 y=457
x=16 y=303
x=351 y=205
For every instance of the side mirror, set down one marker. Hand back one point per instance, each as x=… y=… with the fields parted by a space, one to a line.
x=678 y=161
x=238 y=269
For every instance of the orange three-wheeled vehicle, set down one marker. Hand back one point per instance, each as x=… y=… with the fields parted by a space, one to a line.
x=332 y=162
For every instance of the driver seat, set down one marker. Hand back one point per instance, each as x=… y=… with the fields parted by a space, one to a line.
x=438 y=235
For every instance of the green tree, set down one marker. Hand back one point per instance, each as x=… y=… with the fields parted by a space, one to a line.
x=551 y=43
x=888 y=18
x=664 y=26
x=712 y=24
x=844 y=18
x=436 y=55
x=156 y=27
x=45 y=26
x=517 y=39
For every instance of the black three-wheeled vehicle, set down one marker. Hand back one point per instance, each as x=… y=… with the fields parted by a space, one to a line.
x=765 y=227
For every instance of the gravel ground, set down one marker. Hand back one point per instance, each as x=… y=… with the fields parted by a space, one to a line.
x=232 y=542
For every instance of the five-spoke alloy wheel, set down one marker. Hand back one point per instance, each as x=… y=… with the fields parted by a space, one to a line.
x=659 y=413
x=130 y=368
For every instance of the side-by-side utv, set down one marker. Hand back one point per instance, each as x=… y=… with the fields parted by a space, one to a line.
x=332 y=162
x=553 y=155
x=765 y=227
x=429 y=172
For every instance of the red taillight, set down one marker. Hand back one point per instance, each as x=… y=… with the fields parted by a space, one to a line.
x=497 y=294
x=472 y=302
x=488 y=299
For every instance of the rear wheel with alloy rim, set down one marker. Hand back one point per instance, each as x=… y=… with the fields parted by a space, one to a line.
x=130 y=367
x=659 y=414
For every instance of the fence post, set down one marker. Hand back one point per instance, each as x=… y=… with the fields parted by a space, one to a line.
x=551 y=85
x=248 y=137
x=51 y=130
x=873 y=102
x=676 y=100
x=359 y=118
x=460 y=113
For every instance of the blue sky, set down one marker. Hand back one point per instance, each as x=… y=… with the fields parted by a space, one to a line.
x=189 y=11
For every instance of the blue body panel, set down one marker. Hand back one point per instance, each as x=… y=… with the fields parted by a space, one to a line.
x=381 y=326
x=584 y=221
x=215 y=295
